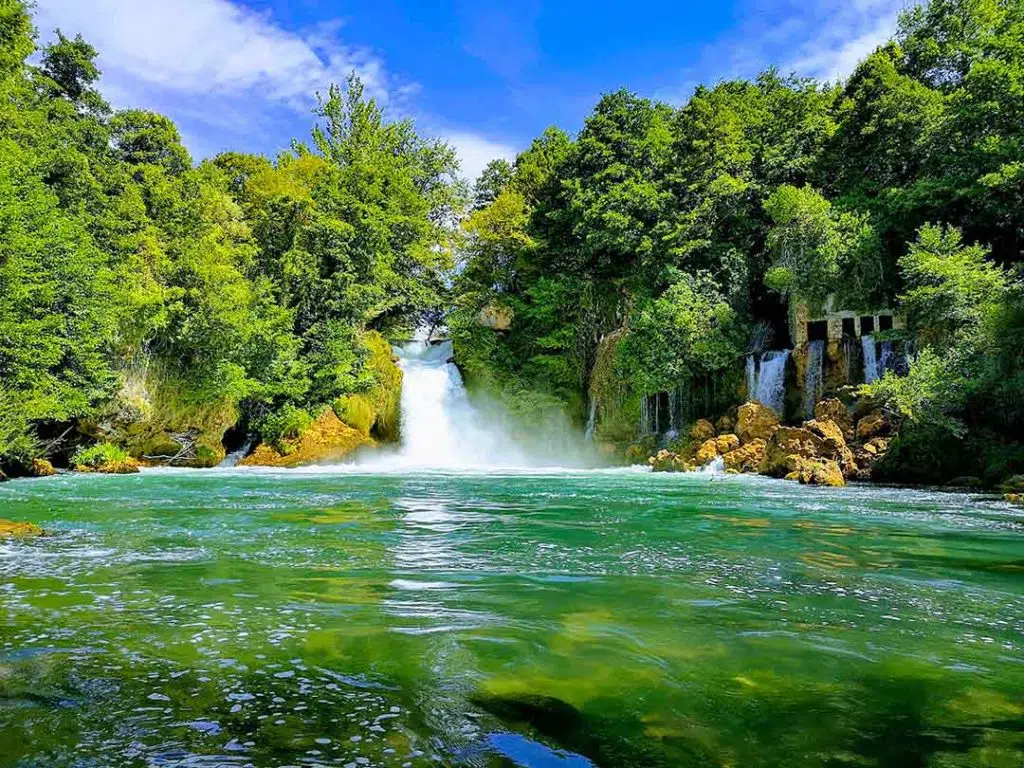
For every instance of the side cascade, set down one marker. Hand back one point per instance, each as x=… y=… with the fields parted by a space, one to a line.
x=766 y=379
x=814 y=376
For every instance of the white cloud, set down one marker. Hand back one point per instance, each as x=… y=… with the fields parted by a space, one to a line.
x=475 y=152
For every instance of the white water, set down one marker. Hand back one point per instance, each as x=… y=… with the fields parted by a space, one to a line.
x=814 y=376
x=443 y=429
x=232 y=459
x=769 y=382
x=591 y=420
x=871 y=372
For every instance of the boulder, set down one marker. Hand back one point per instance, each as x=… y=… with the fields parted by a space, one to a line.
x=726 y=424
x=11 y=529
x=327 y=440
x=746 y=458
x=667 y=461
x=1014 y=484
x=787 y=444
x=966 y=481
x=1014 y=498
x=816 y=472
x=726 y=443
x=702 y=430
x=832 y=409
x=707 y=452
x=874 y=424
x=42 y=468
x=869 y=454
x=837 y=450
x=125 y=467
x=755 y=422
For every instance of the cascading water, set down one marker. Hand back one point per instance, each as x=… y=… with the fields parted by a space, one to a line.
x=870 y=359
x=232 y=459
x=591 y=420
x=887 y=360
x=814 y=376
x=770 y=381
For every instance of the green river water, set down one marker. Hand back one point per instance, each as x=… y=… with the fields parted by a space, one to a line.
x=603 y=618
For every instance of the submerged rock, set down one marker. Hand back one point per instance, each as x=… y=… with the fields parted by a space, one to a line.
x=755 y=422
x=11 y=529
x=329 y=439
x=1014 y=498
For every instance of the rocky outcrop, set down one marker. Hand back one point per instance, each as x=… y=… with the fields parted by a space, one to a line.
x=42 y=468
x=10 y=529
x=726 y=424
x=835 y=444
x=328 y=440
x=707 y=452
x=1014 y=498
x=667 y=461
x=702 y=430
x=787 y=444
x=726 y=443
x=746 y=458
x=755 y=422
x=815 y=472
x=121 y=467
x=873 y=424
x=833 y=410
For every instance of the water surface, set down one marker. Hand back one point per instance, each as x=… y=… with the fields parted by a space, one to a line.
x=507 y=619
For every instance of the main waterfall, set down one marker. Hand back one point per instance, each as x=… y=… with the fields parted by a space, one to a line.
x=442 y=428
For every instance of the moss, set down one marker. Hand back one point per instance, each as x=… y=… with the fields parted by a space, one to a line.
x=618 y=402
x=328 y=439
x=97 y=455
x=385 y=391
x=357 y=411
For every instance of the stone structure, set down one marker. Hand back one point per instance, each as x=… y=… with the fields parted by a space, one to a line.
x=833 y=324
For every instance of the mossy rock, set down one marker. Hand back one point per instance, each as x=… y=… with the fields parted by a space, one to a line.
x=357 y=411
x=42 y=468
x=9 y=529
x=327 y=440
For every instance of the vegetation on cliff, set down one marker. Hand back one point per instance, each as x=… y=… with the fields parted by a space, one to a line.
x=680 y=234
x=153 y=304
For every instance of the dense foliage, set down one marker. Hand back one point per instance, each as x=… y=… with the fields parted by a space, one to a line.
x=143 y=297
x=680 y=236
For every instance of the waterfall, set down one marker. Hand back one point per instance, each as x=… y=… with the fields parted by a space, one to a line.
x=887 y=360
x=591 y=420
x=770 y=381
x=814 y=376
x=751 y=377
x=870 y=359
x=232 y=459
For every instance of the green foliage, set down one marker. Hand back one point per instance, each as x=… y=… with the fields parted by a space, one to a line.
x=98 y=455
x=286 y=425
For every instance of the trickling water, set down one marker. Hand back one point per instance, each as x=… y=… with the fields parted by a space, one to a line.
x=887 y=360
x=751 y=376
x=814 y=376
x=770 y=386
x=232 y=459
x=591 y=420
x=871 y=372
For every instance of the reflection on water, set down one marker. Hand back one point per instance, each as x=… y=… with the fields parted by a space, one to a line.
x=530 y=619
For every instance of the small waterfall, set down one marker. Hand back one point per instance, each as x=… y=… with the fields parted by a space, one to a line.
x=751 y=377
x=770 y=380
x=887 y=360
x=716 y=467
x=870 y=359
x=591 y=420
x=814 y=376
x=232 y=459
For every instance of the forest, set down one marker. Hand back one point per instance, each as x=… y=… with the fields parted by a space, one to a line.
x=153 y=306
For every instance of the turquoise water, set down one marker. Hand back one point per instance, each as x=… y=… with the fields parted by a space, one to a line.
x=612 y=618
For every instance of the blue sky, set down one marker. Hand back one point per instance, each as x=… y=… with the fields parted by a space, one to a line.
x=487 y=76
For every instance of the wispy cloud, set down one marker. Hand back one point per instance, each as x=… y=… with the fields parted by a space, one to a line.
x=824 y=39
x=476 y=152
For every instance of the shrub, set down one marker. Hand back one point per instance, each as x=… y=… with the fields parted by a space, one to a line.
x=286 y=425
x=98 y=455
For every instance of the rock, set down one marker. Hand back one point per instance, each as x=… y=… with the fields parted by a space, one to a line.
x=1014 y=498
x=874 y=424
x=745 y=459
x=702 y=430
x=832 y=409
x=1014 y=484
x=755 y=422
x=11 y=529
x=328 y=439
x=726 y=424
x=42 y=468
x=726 y=443
x=869 y=454
x=816 y=472
x=667 y=461
x=126 y=467
x=707 y=452
x=3 y=477
x=838 y=451
x=787 y=443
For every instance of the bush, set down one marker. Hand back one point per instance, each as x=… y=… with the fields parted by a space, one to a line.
x=288 y=424
x=96 y=456
x=357 y=411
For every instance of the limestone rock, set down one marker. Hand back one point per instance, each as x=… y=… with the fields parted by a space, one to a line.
x=869 y=454
x=126 y=467
x=42 y=468
x=726 y=443
x=837 y=450
x=707 y=452
x=745 y=459
x=874 y=424
x=12 y=529
x=816 y=472
x=786 y=443
x=702 y=430
x=327 y=440
x=726 y=424
x=667 y=461
x=755 y=422
x=1014 y=498
x=832 y=409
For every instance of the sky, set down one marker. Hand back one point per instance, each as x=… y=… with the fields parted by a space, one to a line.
x=486 y=76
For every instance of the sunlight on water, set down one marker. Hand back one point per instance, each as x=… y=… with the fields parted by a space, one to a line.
x=513 y=617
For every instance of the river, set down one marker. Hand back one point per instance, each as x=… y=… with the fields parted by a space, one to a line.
x=536 y=618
